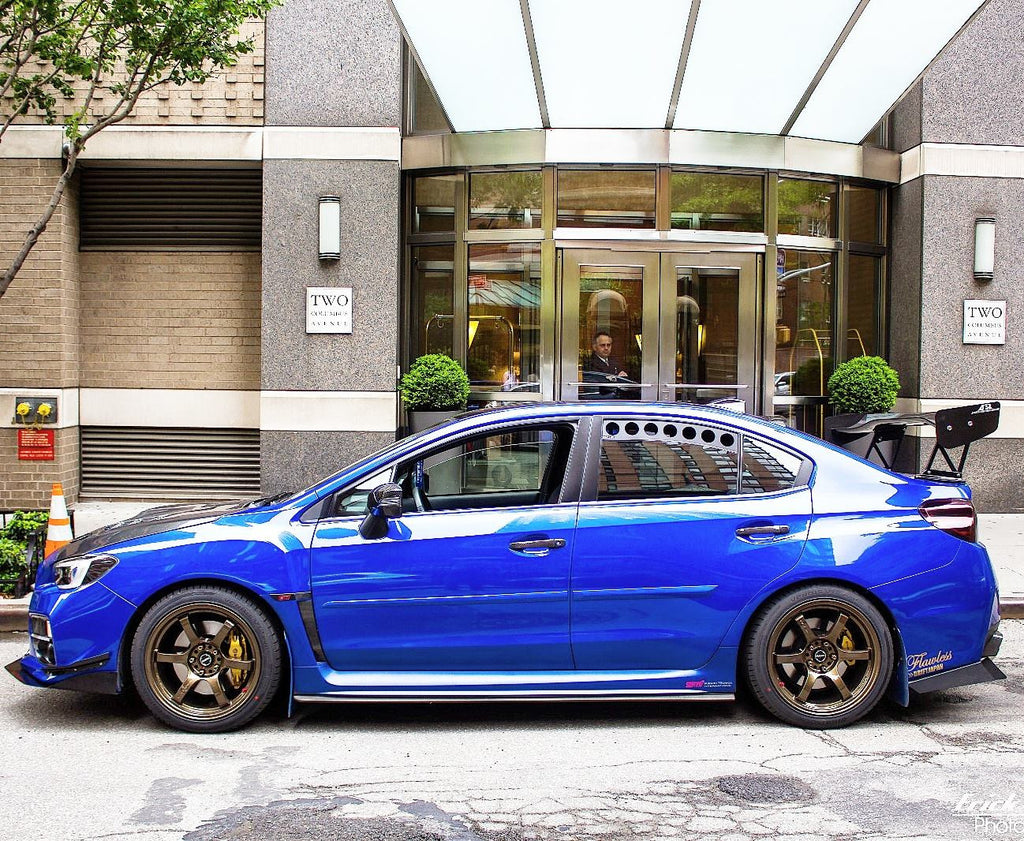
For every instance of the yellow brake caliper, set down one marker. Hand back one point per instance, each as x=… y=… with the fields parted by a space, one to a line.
x=846 y=642
x=236 y=651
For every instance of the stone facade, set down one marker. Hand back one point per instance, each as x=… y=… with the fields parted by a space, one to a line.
x=170 y=320
x=27 y=484
x=232 y=97
x=39 y=341
x=39 y=312
x=959 y=101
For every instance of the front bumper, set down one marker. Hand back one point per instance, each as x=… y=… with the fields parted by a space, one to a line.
x=75 y=637
x=82 y=676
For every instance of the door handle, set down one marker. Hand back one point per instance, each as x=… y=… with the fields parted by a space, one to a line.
x=546 y=543
x=762 y=531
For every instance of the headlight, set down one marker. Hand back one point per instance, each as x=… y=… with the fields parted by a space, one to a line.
x=77 y=572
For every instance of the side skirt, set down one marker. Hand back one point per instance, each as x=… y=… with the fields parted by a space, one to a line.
x=488 y=697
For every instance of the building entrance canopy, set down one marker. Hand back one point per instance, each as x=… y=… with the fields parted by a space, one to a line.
x=803 y=68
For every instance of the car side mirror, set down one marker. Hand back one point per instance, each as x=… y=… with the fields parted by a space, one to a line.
x=383 y=503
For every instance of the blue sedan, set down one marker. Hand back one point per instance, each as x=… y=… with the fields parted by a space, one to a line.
x=538 y=552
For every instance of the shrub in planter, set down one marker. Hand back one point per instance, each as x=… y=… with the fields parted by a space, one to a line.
x=435 y=386
x=866 y=385
x=13 y=542
x=862 y=386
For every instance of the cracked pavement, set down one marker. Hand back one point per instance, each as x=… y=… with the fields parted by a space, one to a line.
x=89 y=767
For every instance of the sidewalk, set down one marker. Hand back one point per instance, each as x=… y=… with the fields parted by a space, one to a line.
x=1002 y=534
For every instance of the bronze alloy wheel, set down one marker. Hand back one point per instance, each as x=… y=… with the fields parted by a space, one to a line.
x=200 y=659
x=820 y=657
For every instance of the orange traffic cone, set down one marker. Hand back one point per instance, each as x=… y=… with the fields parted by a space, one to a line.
x=58 y=529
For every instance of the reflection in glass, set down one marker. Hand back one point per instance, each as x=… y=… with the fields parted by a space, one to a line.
x=432 y=308
x=862 y=306
x=494 y=464
x=427 y=116
x=606 y=199
x=766 y=468
x=803 y=332
x=862 y=206
x=433 y=200
x=707 y=332
x=504 y=317
x=611 y=331
x=713 y=202
x=807 y=416
x=504 y=200
x=807 y=208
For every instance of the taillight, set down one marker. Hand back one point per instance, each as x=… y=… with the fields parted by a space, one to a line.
x=955 y=516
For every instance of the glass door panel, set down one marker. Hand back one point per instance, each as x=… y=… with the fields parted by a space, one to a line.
x=503 y=341
x=609 y=329
x=650 y=326
x=708 y=328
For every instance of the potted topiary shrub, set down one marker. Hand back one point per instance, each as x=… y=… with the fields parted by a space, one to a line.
x=860 y=389
x=434 y=389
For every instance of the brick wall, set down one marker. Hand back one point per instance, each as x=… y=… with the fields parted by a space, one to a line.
x=39 y=312
x=232 y=97
x=170 y=320
x=26 y=484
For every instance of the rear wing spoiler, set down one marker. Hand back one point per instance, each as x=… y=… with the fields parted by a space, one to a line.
x=959 y=427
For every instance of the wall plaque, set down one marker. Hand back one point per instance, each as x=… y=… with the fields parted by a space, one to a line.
x=35 y=445
x=984 y=322
x=329 y=309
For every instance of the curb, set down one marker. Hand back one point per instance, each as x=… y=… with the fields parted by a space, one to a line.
x=14 y=613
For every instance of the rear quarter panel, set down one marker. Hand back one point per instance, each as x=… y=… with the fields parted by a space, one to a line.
x=866 y=532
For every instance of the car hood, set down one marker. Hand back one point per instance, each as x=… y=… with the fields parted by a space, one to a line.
x=152 y=521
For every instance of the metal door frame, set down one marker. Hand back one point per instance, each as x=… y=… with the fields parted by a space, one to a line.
x=569 y=309
x=748 y=360
x=658 y=266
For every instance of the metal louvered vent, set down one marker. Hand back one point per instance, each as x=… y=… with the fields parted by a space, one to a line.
x=145 y=209
x=157 y=463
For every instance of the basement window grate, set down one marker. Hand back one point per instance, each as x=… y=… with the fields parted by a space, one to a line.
x=150 y=209
x=163 y=463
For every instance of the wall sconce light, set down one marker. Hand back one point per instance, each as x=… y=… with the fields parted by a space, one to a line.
x=984 y=248
x=330 y=228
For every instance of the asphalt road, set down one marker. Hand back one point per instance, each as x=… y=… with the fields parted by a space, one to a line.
x=87 y=767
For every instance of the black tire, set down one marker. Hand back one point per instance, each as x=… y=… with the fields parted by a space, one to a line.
x=183 y=654
x=819 y=657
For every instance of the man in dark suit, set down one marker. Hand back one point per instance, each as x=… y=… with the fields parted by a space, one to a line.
x=601 y=366
x=601 y=359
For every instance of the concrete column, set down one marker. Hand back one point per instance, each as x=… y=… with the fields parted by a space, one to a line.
x=961 y=131
x=333 y=110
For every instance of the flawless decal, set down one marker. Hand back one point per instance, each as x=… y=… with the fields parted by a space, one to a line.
x=925 y=663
